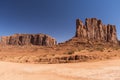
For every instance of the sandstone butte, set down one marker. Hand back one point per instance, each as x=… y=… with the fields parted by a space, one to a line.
x=95 y=30
x=28 y=39
x=92 y=31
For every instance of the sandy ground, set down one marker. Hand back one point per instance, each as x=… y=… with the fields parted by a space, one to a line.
x=102 y=70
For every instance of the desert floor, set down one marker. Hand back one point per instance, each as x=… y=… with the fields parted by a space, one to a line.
x=102 y=70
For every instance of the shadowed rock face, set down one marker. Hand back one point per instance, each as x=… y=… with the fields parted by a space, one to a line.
x=95 y=30
x=28 y=39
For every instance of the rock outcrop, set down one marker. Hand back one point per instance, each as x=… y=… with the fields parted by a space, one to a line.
x=28 y=39
x=95 y=30
x=92 y=31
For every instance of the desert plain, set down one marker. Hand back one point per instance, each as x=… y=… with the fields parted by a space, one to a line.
x=100 y=70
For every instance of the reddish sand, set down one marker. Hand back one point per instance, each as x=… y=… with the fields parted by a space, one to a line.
x=102 y=70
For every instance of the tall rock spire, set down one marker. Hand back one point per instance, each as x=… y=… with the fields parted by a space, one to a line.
x=95 y=30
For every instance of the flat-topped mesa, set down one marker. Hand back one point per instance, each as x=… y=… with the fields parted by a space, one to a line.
x=28 y=39
x=95 y=30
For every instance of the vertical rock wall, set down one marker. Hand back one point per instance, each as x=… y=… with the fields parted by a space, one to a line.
x=28 y=39
x=95 y=30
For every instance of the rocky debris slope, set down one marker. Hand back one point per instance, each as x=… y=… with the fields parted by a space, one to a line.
x=95 y=30
x=28 y=39
x=70 y=58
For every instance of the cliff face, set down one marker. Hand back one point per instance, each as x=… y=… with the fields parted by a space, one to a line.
x=28 y=39
x=95 y=30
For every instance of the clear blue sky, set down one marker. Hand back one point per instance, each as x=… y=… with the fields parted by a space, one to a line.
x=54 y=17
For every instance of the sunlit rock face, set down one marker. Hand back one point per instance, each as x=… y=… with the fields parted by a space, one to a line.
x=95 y=30
x=28 y=39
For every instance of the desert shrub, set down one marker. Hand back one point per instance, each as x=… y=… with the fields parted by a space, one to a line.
x=99 y=49
x=53 y=54
x=34 y=49
x=91 y=50
x=80 y=49
x=69 y=52
x=109 y=50
x=117 y=48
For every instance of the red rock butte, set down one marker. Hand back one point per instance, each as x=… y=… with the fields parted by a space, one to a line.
x=28 y=39
x=95 y=30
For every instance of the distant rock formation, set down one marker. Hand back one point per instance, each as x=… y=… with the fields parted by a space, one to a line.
x=91 y=32
x=95 y=30
x=28 y=39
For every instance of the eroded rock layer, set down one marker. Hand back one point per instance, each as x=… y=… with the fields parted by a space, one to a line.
x=95 y=30
x=28 y=39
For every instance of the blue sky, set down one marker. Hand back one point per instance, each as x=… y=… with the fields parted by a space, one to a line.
x=54 y=17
